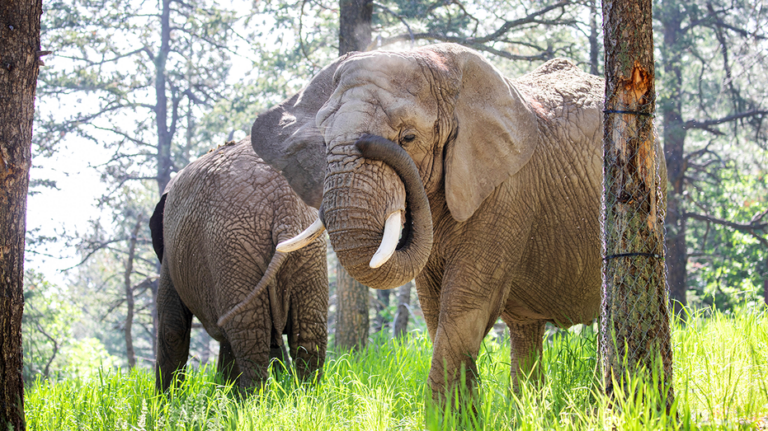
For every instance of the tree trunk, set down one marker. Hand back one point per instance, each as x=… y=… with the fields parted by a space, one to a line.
x=403 y=309
x=164 y=134
x=351 y=311
x=19 y=60
x=129 y=294
x=354 y=25
x=594 y=45
x=674 y=148
x=635 y=317
x=380 y=307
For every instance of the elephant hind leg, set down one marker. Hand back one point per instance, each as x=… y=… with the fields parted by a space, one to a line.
x=173 y=332
x=527 y=346
x=227 y=364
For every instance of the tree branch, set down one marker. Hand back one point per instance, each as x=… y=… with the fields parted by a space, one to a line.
x=479 y=42
x=301 y=38
x=751 y=228
x=102 y=62
x=396 y=15
x=707 y=124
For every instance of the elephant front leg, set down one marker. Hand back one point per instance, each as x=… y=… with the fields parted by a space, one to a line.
x=428 y=288
x=463 y=323
x=173 y=332
x=526 y=341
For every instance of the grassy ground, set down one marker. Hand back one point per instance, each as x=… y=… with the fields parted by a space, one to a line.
x=721 y=382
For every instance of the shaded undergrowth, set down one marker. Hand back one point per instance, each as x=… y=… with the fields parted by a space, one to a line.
x=720 y=380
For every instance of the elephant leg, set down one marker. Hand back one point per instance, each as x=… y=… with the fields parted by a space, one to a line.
x=227 y=365
x=428 y=288
x=460 y=331
x=308 y=314
x=526 y=341
x=173 y=332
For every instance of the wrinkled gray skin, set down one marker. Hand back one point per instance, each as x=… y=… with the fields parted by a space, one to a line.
x=511 y=170
x=223 y=215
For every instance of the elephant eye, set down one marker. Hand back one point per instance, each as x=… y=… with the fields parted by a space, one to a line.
x=409 y=137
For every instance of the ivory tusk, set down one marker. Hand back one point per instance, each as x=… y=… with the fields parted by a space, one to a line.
x=310 y=234
x=388 y=241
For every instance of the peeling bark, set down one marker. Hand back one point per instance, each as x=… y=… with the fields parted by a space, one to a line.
x=635 y=317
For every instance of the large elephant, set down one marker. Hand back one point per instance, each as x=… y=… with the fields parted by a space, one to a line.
x=431 y=164
x=215 y=230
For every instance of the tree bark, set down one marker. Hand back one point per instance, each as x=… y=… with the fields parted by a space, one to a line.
x=635 y=317
x=354 y=25
x=129 y=294
x=401 y=316
x=674 y=151
x=19 y=62
x=351 y=311
x=379 y=307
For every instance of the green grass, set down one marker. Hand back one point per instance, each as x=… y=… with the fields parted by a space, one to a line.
x=721 y=382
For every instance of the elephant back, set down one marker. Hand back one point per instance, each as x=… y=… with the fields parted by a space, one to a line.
x=222 y=219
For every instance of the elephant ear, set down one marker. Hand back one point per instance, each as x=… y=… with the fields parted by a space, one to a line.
x=496 y=136
x=287 y=138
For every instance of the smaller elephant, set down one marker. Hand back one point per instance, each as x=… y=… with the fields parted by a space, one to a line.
x=215 y=230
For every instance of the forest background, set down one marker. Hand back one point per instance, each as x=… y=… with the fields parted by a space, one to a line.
x=134 y=90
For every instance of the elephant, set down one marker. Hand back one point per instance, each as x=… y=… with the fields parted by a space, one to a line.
x=214 y=230
x=430 y=164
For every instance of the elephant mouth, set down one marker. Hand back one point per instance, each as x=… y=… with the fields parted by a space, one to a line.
x=406 y=232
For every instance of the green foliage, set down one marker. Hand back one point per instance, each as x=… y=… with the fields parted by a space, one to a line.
x=712 y=63
x=730 y=265
x=46 y=326
x=719 y=382
x=51 y=350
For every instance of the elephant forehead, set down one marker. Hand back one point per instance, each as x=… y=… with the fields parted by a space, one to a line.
x=377 y=106
x=381 y=67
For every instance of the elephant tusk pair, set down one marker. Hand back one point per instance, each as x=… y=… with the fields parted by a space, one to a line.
x=301 y=240
x=388 y=241
x=383 y=254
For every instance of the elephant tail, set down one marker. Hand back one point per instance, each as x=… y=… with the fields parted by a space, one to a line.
x=266 y=279
x=156 y=227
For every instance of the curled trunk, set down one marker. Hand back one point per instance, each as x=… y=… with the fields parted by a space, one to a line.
x=359 y=196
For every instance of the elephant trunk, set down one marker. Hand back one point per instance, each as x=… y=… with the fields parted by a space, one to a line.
x=357 y=203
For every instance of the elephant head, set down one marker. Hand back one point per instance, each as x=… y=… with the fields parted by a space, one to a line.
x=391 y=129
